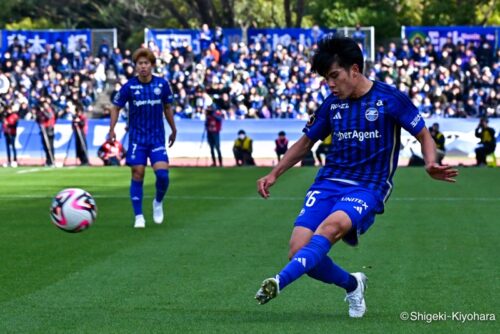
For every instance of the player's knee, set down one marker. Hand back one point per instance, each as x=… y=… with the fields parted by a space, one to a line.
x=162 y=176
x=334 y=229
x=138 y=175
x=292 y=252
x=295 y=246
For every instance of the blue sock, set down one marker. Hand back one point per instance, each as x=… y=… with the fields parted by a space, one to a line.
x=162 y=182
x=136 y=196
x=304 y=260
x=327 y=271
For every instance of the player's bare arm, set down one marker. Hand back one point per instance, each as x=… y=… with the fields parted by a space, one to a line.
x=295 y=154
x=443 y=173
x=169 y=115
x=112 y=122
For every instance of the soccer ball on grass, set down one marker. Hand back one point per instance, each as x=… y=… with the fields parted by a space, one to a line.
x=73 y=210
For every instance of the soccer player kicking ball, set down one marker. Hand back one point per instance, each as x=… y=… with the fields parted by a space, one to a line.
x=149 y=98
x=364 y=118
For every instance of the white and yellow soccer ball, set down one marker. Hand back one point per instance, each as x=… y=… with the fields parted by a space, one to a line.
x=73 y=210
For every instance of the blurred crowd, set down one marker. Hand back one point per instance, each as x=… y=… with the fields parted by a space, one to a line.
x=238 y=80
x=52 y=80
x=459 y=80
x=254 y=81
x=251 y=80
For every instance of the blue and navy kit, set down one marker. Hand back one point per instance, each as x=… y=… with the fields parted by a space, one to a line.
x=364 y=152
x=365 y=136
x=145 y=100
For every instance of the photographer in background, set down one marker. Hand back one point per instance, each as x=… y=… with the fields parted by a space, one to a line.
x=79 y=125
x=487 y=142
x=111 y=153
x=213 y=126
x=10 y=118
x=46 y=119
x=242 y=150
x=323 y=149
x=281 y=144
x=439 y=139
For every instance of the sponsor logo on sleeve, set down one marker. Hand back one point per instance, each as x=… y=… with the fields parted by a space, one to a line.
x=415 y=121
x=117 y=97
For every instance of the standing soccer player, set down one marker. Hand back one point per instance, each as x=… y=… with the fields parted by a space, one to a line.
x=149 y=98
x=365 y=119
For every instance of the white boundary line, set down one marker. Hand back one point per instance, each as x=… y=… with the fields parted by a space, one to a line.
x=256 y=198
x=42 y=169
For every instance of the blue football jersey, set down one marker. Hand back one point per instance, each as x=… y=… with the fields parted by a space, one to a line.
x=365 y=136
x=145 y=100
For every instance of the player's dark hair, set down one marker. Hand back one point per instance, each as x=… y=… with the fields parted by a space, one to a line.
x=336 y=49
x=143 y=52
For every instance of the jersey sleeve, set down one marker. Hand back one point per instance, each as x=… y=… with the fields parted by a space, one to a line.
x=407 y=115
x=121 y=98
x=319 y=127
x=167 y=96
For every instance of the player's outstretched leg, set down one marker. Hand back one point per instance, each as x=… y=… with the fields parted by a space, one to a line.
x=356 y=299
x=303 y=261
x=269 y=289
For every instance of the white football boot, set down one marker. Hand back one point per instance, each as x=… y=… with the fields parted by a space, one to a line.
x=157 y=212
x=140 y=222
x=269 y=289
x=356 y=298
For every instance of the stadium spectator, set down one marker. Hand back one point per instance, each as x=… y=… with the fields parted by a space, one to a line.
x=10 y=119
x=205 y=37
x=487 y=142
x=67 y=78
x=308 y=159
x=111 y=152
x=323 y=149
x=213 y=126
x=439 y=139
x=359 y=36
x=242 y=150
x=79 y=124
x=104 y=51
x=281 y=144
x=46 y=120
x=117 y=62
x=448 y=77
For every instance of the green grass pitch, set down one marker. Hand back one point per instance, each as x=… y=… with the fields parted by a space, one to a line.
x=434 y=250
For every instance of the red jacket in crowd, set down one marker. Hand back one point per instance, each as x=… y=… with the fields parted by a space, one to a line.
x=80 y=121
x=213 y=123
x=47 y=118
x=111 y=149
x=10 y=124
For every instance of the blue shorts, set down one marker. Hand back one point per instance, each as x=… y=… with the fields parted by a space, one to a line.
x=325 y=197
x=138 y=154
